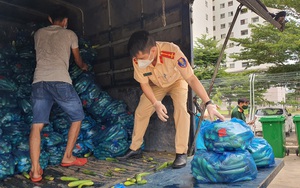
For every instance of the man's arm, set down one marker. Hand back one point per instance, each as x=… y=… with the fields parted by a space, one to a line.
x=147 y=90
x=160 y=109
x=198 y=88
x=78 y=59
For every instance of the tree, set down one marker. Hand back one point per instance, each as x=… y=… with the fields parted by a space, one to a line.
x=206 y=54
x=269 y=45
x=237 y=85
x=290 y=5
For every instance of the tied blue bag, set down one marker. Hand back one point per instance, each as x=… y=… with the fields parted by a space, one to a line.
x=261 y=152
x=227 y=135
x=227 y=167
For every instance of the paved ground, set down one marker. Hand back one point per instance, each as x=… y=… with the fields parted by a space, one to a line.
x=289 y=176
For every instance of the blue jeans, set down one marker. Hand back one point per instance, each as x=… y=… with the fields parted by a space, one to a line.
x=44 y=94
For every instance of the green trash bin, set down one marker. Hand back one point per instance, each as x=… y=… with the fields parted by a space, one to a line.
x=296 y=120
x=274 y=133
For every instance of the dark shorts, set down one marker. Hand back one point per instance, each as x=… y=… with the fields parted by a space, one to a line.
x=44 y=94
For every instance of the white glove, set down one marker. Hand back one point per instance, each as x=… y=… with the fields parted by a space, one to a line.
x=161 y=111
x=212 y=110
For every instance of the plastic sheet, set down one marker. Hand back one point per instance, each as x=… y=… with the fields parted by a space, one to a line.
x=228 y=167
x=261 y=152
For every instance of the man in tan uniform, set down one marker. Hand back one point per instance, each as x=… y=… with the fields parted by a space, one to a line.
x=162 y=69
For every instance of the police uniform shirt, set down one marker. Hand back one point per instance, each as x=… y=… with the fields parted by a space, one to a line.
x=171 y=66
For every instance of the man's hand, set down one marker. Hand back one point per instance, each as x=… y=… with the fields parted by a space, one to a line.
x=85 y=67
x=212 y=110
x=161 y=111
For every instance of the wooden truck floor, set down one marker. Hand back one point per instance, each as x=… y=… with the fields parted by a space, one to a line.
x=167 y=178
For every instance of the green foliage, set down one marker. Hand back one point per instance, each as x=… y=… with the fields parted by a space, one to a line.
x=269 y=45
x=285 y=68
x=283 y=4
x=206 y=54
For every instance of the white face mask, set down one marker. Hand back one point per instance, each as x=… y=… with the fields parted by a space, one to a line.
x=143 y=63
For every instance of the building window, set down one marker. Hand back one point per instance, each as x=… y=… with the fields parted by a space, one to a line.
x=244 y=21
x=222 y=15
x=206 y=16
x=231 y=65
x=255 y=19
x=229 y=24
x=244 y=32
x=222 y=5
x=230 y=14
x=245 y=64
x=206 y=4
x=213 y=8
x=214 y=28
x=231 y=45
x=244 y=10
x=223 y=36
x=214 y=18
x=207 y=30
x=223 y=26
x=230 y=3
x=214 y=37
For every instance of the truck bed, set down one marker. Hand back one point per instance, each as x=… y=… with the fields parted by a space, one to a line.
x=102 y=169
x=180 y=178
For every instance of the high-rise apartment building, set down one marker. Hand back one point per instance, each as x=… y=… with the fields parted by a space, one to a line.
x=222 y=12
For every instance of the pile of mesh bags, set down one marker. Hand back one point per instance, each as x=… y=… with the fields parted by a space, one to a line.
x=106 y=130
x=228 y=152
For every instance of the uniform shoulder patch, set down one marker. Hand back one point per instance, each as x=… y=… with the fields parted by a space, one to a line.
x=182 y=62
x=240 y=110
x=167 y=54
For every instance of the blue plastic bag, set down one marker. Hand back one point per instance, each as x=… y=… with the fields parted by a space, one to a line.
x=261 y=152
x=227 y=136
x=228 y=167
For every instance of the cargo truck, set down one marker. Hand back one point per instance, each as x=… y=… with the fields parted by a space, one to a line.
x=108 y=24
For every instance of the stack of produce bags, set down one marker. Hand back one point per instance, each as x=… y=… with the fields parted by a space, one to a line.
x=228 y=152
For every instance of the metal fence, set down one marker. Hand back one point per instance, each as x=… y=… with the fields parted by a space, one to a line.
x=281 y=89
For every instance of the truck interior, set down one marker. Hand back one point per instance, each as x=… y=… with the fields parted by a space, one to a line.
x=108 y=24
